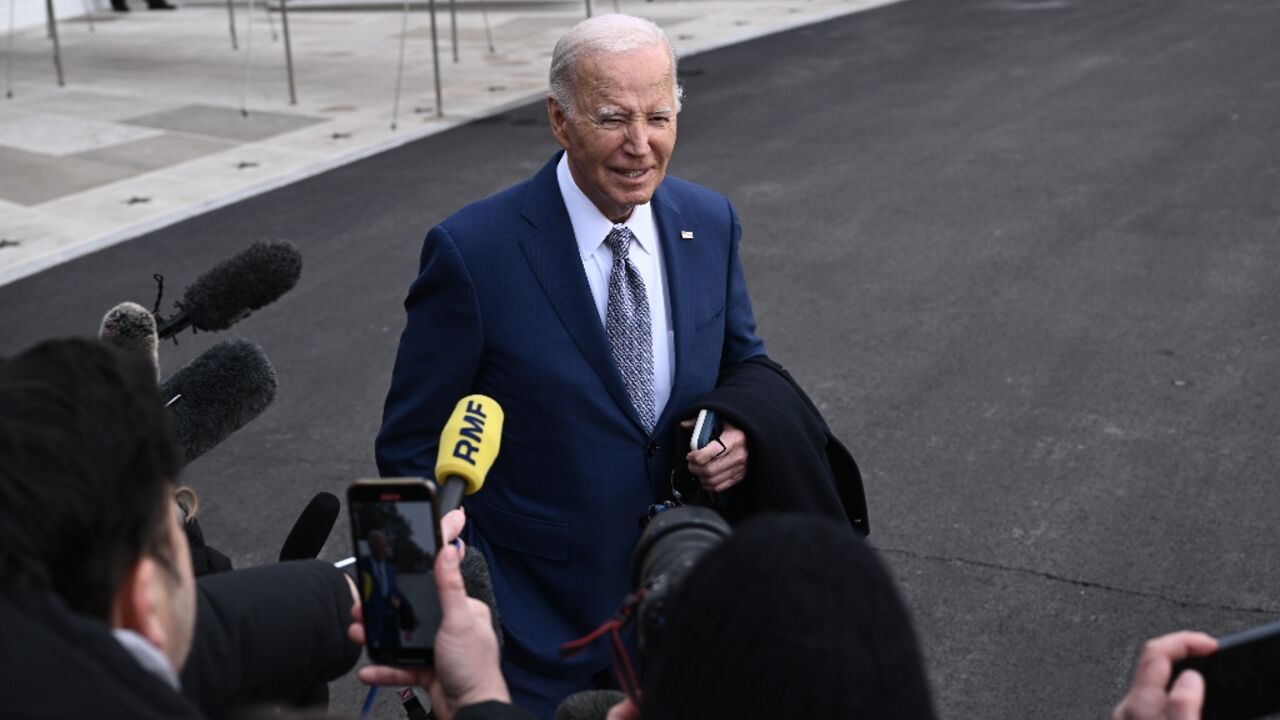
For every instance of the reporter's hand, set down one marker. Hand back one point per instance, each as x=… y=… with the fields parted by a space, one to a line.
x=723 y=462
x=452 y=523
x=467 y=667
x=625 y=710
x=450 y=528
x=1148 y=699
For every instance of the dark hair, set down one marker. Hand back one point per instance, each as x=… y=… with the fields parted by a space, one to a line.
x=792 y=617
x=87 y=459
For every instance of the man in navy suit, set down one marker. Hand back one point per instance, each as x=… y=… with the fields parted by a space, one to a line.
x=380 y=593
x=595 y=302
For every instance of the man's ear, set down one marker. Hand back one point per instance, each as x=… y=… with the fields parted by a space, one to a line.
x=558 y=121
x=139 y=602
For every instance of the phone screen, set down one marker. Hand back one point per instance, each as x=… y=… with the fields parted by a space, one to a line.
x=395 y=534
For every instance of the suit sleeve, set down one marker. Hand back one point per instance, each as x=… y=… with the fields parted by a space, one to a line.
x=268 y=634
x=740 y=341
x=439 y=356
x=492 y=710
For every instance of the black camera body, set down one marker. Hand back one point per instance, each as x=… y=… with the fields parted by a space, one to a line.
x=674 y=540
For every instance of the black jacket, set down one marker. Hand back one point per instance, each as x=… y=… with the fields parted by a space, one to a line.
x=795 y=463
x=261 y=634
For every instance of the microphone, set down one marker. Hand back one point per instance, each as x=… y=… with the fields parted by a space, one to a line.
x=312 y=528
x=469 y=444
x=218 y=393
x=226 y=293
x=131 y=327
x=588 y=705
x=479 y=585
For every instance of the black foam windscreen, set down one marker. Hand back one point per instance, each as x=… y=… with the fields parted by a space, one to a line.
x=479 y=584
x=230 y=290
x=217 y=393
x=312 y=528
x=588 y=705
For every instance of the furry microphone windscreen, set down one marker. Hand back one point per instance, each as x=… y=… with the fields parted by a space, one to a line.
x=588 y=705
x=129 y=326
x=479 y=584
x=217 y=393
x=230 y=290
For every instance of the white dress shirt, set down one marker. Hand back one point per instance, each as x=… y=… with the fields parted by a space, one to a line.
x=591 y=227
x=148 y=656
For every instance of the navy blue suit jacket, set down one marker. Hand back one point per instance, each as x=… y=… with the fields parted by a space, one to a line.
x=501 y=306
x=379 y=615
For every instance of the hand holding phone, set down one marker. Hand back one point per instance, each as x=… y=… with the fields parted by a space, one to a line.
x=467 y=667
x=718 y=454
x=396 y=534
x=1154 y=695
x=705 y=429
x=1242 y=678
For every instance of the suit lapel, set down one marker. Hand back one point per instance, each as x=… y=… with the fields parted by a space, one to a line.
x=552 y=254
x=680 y=266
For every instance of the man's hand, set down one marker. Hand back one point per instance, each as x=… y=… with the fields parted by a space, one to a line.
x=1148 y=699
x=467 y=667
x=625 y=710
x=723 y=462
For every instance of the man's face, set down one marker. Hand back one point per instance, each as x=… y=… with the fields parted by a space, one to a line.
x=623 y=129
x=378 y=546
x=180 y=581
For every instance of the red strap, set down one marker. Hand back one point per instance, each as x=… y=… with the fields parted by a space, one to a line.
x=622 y=666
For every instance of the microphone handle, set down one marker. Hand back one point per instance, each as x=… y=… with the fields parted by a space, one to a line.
x=174 y=325
x=450 y=497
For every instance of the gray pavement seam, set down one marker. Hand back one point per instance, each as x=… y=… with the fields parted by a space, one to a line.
x=1180 y=602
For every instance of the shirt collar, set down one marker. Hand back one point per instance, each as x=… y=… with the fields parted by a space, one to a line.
x=147 y=655
x=590 y=226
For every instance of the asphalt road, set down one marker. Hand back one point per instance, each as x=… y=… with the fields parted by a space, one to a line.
x=1023 y=254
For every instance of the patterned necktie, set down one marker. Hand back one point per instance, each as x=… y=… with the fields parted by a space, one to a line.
x=628 y=326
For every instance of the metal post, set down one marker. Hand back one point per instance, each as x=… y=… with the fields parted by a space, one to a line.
x=588 y=8
x=248 y=64
x=435 y=58
x=271 y=23
x=404 y=31
x=88 y=15
x=231 y=21
x=288 y=49
x=53 y=35
x=8 y=55
x=488 y=34
x=453 y=27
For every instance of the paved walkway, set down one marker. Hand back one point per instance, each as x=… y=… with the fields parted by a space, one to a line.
x=161 y=119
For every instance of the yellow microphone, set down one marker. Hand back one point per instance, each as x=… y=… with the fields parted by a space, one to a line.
x=469 y=444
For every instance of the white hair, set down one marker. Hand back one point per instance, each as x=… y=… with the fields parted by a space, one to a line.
x=610 y=34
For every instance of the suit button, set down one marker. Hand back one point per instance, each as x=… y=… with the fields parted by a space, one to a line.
x=653 y=449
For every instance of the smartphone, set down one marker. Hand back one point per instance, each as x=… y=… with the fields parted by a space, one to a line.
x=395 y=533
x=705 y=429
x=1242 y=678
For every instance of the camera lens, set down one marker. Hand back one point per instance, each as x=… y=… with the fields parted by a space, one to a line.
x=668 y=549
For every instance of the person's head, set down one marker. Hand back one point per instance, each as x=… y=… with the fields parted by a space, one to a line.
x=791 y=617
x=87 y=471
x=378 y=545
x=613 y=105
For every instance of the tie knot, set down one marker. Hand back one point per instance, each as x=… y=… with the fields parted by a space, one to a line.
x=619 y=241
